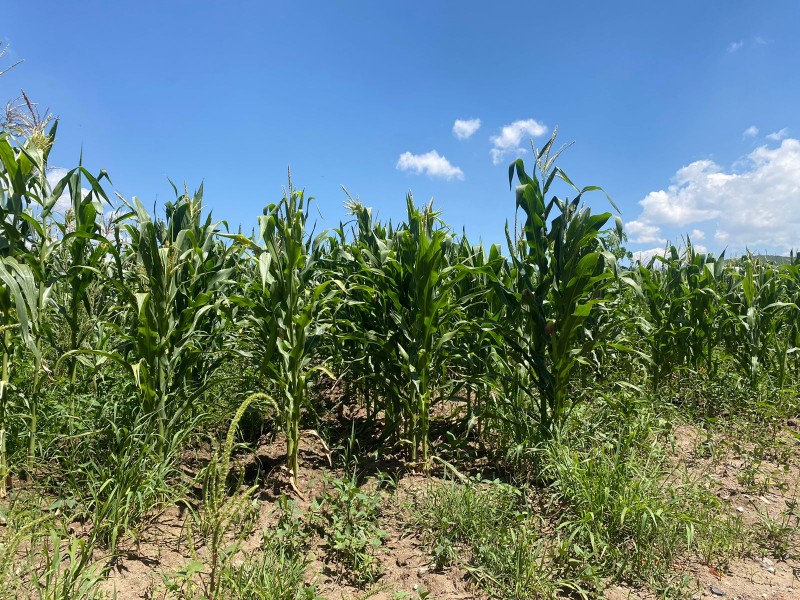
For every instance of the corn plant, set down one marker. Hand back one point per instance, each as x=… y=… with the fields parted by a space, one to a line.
x=363 y=320
x=287 y=309
x=17 y=307
x=663 y=324
x=39 y=261
x=409 y=317
x=477 y=359
x=703 y=312
x=790 y=276
x=21 y=185
x=170 y=306
x=753 y=331
x=561 y=272
x=84 y=252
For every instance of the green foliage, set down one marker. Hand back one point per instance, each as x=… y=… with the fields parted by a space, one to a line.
x=485 y=527
x=617 y=520
x=346 y=516
x=224 y=521
x=274 y=572
x=127 y=338
x=172 y=309
x=560 y=272
x=404 y=319
x=287 y=310
x=38 y=559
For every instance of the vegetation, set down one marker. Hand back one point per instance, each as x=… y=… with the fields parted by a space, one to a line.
x=540 y=391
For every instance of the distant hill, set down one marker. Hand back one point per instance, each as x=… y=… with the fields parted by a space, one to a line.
x=773 y=258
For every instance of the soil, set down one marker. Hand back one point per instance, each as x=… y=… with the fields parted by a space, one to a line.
x=753 y=491
x=405 y=565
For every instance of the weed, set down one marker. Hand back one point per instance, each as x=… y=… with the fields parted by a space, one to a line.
x=483 y=526
x=346 y=516
x=779 y=536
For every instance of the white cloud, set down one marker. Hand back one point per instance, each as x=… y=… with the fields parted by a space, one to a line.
x=760 y=41
x=756 y=204
x=697 y=235
x=430 y=163
x=751 y=131
x=464 y=129
x=511 y=136
x=64 y=203
x=777 y=136
x=735 y=46
x=643 y=233
x=644 y=256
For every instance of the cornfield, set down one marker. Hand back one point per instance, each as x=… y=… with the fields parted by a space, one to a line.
x=130 y=337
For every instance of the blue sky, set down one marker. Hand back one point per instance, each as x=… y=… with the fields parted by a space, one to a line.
x=685 y=112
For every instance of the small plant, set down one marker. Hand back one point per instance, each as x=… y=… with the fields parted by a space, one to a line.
x=223 y=522
x=615 y=515
x=69 y=570
x=420 y=594
x=291 y=530
x=273 y=571
x=483 y=527
x=780 y=535
x=346 y=517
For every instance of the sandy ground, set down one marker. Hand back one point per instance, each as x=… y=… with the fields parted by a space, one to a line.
x=407 y=567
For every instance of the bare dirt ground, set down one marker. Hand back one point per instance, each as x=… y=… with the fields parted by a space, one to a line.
x=405 y=565
x=756 y=492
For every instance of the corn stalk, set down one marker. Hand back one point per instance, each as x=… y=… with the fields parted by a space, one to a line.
x=561 y=272
x=287 y=309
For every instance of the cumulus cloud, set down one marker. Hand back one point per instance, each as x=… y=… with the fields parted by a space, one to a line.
x=64 y=203
x=735 y=46
x=511 y=136
x=777 y=136
x=430 y=163
x=643 y=233
x=751 y=131
x=756 y=204
x=697 y=235
x=463 y=129
x=644 y=256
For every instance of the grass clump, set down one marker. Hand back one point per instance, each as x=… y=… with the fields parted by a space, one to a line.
x=485 y=527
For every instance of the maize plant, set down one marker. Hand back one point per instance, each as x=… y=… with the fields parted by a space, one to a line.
x=84 y=251
x=39 y=260
x=561 y=272
x=169 y=307
x=288 y=309
x=752 y=327
x=426 y=316
x=355 y=319
x=406 y=314
x=17 y=308
x=790 y=276
x=477 y=360
x=703 y=314
x=663 y=325
x=21 y=187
